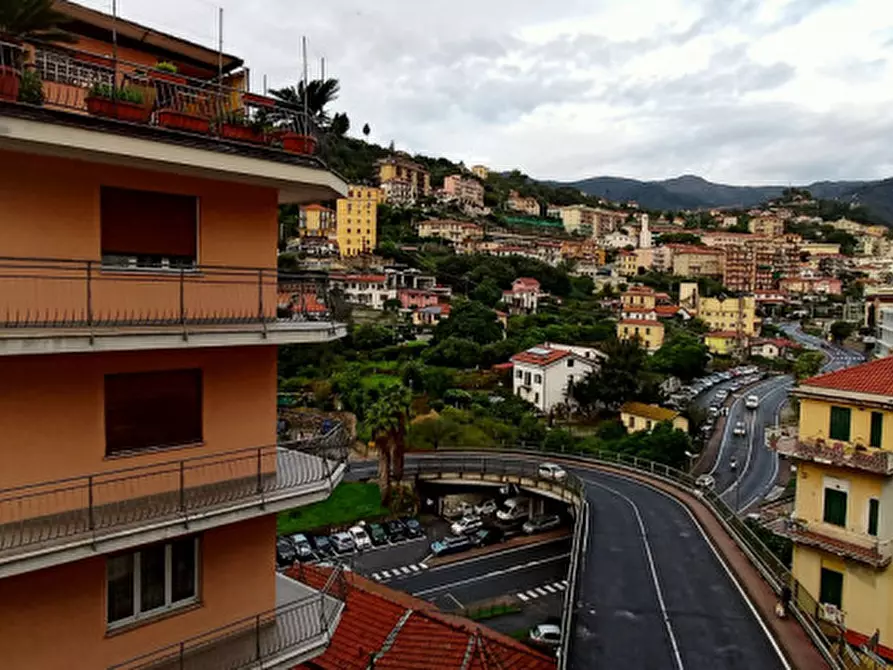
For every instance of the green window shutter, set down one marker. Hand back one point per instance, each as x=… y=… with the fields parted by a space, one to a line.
x=831 y=587
x=835 y=507
x=877 y=428
x=873 y=511
x=840 y=424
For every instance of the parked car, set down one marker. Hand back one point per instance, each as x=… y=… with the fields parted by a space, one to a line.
x=740 y=430
x=752 y=402
x=302 y=546
x=705 y=482
x=466 y=525
x=540 y=524
x=343 y=543
x=552 y=471
x=360 y=537
x=377 y=534
x=412 y=527
x=395 y=529
x=722 y=394
x=514 y=509
x=546 y=634
x=450 y=545
x=286 y=554
x=486 y=536
x=486 y=508
x=322 y=545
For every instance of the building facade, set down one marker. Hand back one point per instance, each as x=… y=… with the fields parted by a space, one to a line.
x=464 y=189
x=730 y=314
x=402 y=179
x=456 y=232
x=637 y=416
x=141 y=474
x=357 y=220
x=316 y=221
x=545 y=375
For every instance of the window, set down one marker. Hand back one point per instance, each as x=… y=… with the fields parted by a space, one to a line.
x=538 y=379
x=152 y=409
x=840 y=424
x=519 y=374
x=877 y=429
x=873 y=512
x=647 y=424
x=570 y=362
x=527 y=378
x=148 y=229
x=831 y=587
x=152 y=580
x=632 y=422
x=536 y=397
x=835 y=507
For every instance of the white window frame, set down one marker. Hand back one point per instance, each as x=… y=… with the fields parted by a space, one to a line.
x=168 y=605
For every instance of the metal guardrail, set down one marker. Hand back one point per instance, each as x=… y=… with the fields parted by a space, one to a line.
x=61 y=293
x=100 y=504
x=253 y=641
x=574 y=574
x=804 y=606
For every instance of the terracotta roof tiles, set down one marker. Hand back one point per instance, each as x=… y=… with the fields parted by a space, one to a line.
x=875 y=378
x=532 y=357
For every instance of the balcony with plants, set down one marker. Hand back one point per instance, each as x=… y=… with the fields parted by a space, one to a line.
x=826 y=451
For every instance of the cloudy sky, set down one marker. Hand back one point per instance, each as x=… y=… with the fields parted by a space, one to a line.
x=739 y=91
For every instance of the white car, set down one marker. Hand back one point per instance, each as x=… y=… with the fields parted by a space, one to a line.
x=752 y=402
x=722 y=394
x=705 y=482
x=552 y=471
x=739 y=429
x=360 y=537
x=486 y=507
x=546 y=634
x=466 y=525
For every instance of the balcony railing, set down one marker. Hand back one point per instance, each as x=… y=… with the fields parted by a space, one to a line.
x=39 y=517
x=88 y=84
x=54 y=293
x=830 y=452
x=292 y=632
x=854 y=546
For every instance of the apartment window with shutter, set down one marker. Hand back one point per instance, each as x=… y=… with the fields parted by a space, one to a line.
x=877 y=429
x=835 y=507
x=146 y=410
x=840 y=424
x=147 y=229
x=874 y=508
x=831 y=587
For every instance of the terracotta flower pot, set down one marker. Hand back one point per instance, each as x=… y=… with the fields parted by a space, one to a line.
x=117 y=109
x=298 y=144
x=234 y=131
x=170 y=118
x=172 y=77
x=9 y=83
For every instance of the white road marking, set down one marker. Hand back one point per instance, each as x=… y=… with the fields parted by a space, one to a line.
x=494 y=573
x=385 y=573
x=561 y=586
x=532 y=594
x=414 y=567
x=523 y=597
x=660 y=596
x=485 y=557
x=540 y=591
x=405 y=570
x=376 y=576
x=549 y=588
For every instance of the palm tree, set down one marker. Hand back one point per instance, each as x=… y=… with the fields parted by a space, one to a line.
x=33 y=19
x=386 y=419
x=320 y=93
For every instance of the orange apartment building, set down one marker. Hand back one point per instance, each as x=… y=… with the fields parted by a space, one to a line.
x=140 y=472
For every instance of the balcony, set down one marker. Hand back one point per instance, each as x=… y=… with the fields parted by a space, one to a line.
x=827 y=452
x=299 y=628
x=49 y=523
x=72 y=306
x=116 y=110
x=840 y=542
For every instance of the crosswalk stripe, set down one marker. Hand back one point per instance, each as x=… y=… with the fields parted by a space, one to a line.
x=423 y=566
x=376 y=576
x=549 y=588
x=560 y=586
x=405 y=570
x=523 y=597
x=532 y=594
x=540 y=591
x=414 y=567
x=385 y=573
x=564 y=582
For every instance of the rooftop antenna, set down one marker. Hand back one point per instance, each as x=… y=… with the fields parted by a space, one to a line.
x=220 y=52
x=304 y=59
x=115 y=41
x=322 y=68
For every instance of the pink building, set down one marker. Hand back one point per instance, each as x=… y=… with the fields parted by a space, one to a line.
x=524 y=296
x=464 y=189
x=414 y=298
x=811 y=285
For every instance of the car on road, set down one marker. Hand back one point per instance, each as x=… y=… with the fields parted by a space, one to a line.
x=546 y=634
x=705 y=482
x=302 y=546
x=540 y=524
x=486 y=536
x=739 y=430
x=486 y=508
x=412 y=526
x=322 y=545
x=450 y=545
x=377 y=534
x=752 y=402
x=286 y=554
x=552 y=471
x=395 y=529
x=733 y=464
x=722 y=394
x=343 y=543
x=466 y=525
x=360 y=537
x=514 y=509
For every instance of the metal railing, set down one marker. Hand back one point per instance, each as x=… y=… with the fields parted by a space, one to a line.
x=831 y=452
x=61 y=293
x=804 y=606
x=253 y=641
x=69 y=79
x=859 y=547
x=38 y=516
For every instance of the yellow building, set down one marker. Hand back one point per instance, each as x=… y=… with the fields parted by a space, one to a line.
x=842 y=525
x=357 y=217
x=730 y=314
x=627 y=263
x=638 y=297
x=401 y=169
x=725 y=342
x=480 y=171
x=637 y=416
x=769 y=226
x=316 y=221
x=649 y=332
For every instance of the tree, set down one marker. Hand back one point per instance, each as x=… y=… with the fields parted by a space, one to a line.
x=319 y=95
x=620 y=378
x=433 y=433
x=366 y=130
x=454 y=352
x=470 y=319
x=487 y=292
x=340 y=124
x=682 y=355
x=808 y=364
x=370 y=336
x=34 y=19
x=386 y=419
x=841 y=330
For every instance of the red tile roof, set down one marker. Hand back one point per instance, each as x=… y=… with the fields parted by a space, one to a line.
x=667 y=310
x=542 y=360
x=875 y=378
x=380 y=279
x=421 y=637
x=650 y=323
x=525 y=283
x=725 y=334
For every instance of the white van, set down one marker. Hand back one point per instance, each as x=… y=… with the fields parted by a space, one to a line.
x=514 y=509
x=752 y=402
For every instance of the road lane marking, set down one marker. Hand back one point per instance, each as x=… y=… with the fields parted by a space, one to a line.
x=385 y=573
x=455 y=600
x=550 y=588
x=414 y=568
x=523 y=597
x=660 y=596
x=719 y=558
x=489 y=575
x=538 y=591
x=405 y=570
x=484 y=557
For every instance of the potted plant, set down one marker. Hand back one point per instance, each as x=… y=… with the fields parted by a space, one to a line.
x=235 y=125
x=31 y=87
x=166 y=71
x=189 y=119
x=124 y=104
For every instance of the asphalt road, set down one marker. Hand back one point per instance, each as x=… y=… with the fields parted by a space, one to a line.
x=654 y=594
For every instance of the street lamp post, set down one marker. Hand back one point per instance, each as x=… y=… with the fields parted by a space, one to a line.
x=691 y=460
